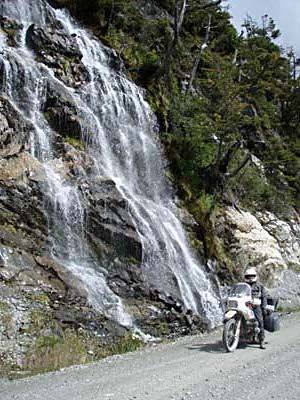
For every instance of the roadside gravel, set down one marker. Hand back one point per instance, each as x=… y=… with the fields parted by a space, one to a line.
x=191 y=368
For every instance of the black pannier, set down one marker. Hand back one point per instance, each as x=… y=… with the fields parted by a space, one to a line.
x=272 y=322
x=272 y=301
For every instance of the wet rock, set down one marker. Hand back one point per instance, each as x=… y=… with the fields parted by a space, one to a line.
x=157 y=320
x=12 y=30
x=58 y=270
x=23 y=220
x=59 y=51
x=110 y=221
x=53 y=41
x=14 y=129
x=4 y=127
x=61 y=113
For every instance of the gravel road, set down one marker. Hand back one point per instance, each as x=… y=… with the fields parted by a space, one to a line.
x=190 y=368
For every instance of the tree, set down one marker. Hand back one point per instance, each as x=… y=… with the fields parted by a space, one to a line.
x=180 y=9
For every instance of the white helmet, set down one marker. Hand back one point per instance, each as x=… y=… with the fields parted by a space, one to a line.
x=250 y=275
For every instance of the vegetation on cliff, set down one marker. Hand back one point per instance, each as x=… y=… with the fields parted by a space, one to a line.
x=228 y=111
x=227 y=103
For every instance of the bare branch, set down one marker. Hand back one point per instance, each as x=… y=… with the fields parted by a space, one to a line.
x=198 y=58
x=178 y=21
x=179 y=14
x=245 y=161
x=229 y=155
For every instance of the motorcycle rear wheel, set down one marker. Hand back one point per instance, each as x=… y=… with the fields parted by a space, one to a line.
x=230 y=335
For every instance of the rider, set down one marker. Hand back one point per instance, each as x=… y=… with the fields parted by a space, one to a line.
x=259 y=292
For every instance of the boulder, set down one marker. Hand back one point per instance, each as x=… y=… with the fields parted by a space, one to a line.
x=287 y=235
x=288 y=290
x=250 y=244
x=271 y=245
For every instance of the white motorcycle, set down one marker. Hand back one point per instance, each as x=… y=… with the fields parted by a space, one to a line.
x=239 y=320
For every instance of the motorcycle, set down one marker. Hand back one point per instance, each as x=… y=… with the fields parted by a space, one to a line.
x=239 y=320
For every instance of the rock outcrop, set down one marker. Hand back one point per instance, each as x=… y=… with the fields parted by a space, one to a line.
x=270 y=244
x=42 y=304
x=60 y=52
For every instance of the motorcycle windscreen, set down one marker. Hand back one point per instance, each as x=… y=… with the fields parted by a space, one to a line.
x=239 y=290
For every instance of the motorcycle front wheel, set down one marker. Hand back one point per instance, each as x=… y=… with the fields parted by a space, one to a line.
x=231 y=335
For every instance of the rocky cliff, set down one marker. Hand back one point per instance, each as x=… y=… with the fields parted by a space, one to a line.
x=76 y=270
x=271 y=245
x=91 y=247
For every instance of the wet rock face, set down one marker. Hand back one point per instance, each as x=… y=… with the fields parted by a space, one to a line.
x=22 y=218
x=61 y=112
x=60 y=52
x=39 y=302
x=14 y=129
x=38 y=297
x=109 y=220
x=27 y=267
x=271 y=245
x=12 y=30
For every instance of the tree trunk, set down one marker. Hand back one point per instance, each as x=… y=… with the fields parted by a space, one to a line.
x=178 y=21
x=198 y=58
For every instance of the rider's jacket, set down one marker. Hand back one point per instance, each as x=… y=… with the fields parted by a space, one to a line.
x=259 y=292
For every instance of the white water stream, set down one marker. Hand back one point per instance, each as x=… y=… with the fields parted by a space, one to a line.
x=120 y=133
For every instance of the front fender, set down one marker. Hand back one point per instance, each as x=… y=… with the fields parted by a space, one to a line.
x=230 y=314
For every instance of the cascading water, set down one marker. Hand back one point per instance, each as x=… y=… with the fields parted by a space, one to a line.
x=63 y=202
x=120 y=132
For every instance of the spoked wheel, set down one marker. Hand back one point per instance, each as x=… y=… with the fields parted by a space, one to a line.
x=231 y=334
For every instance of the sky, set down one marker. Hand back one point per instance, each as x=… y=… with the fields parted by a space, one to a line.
x=286 y=14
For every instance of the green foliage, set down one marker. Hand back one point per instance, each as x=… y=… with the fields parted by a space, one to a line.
x=125 y=345
x=243 y=101
x=189 y=137
x=255 y=192
x=54 y=352
x=88 y=10
x=78 y=144
x=4 y=306
x=122 y=345
x=56 y=348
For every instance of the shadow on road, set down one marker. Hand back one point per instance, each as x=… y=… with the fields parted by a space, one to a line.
x=216 y=347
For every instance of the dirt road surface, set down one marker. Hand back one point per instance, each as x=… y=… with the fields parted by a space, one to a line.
x=191 y=368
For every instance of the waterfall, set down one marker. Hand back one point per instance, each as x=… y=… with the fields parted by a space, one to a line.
x=121 y=137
